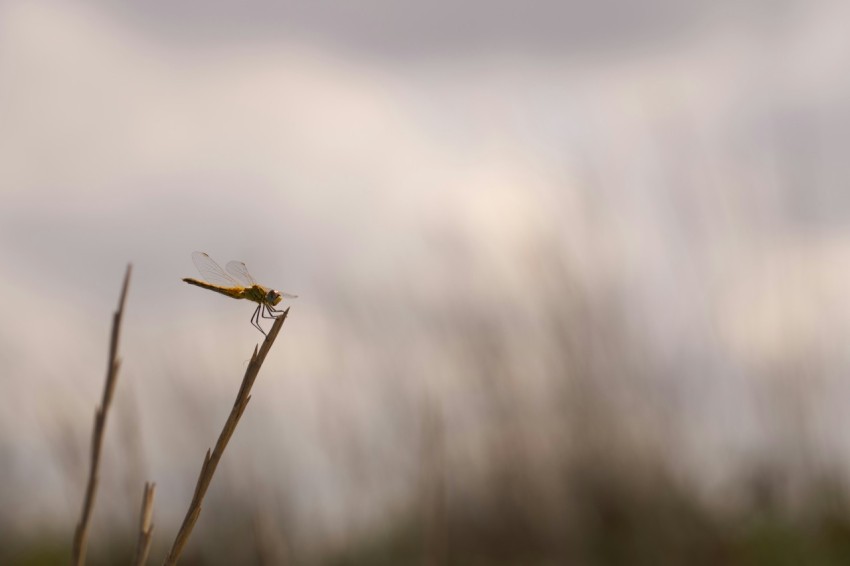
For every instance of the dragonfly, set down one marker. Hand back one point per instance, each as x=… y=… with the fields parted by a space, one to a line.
x=236 y=282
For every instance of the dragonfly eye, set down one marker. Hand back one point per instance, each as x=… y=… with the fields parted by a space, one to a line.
x=273 y=297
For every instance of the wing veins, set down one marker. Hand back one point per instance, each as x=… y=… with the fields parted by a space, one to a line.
x=238 y=270
x=212 y=272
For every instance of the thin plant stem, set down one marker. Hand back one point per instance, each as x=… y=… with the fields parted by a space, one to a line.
x=81 y=532
x=145 y=526
x=212 y=459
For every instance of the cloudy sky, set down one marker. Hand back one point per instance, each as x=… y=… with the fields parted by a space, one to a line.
x=687 y=159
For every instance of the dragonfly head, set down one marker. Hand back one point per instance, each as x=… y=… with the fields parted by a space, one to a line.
x=273 y=297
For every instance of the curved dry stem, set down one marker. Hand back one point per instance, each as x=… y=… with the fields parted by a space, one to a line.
x=81 y=532
x=212 y=459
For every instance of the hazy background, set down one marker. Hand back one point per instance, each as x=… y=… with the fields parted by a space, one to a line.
x=532 y=242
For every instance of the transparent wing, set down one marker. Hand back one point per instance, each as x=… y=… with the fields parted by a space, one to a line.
x=287 y=295
x=212 y=272
x=238 y=270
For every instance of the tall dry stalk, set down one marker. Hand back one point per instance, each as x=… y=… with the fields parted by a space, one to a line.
x=81 y=532
x=211 y=460
x=145 y=526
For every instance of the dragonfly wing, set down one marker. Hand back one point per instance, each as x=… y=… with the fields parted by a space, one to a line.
x=287 y=295
x=238 y=270
x=212 y=272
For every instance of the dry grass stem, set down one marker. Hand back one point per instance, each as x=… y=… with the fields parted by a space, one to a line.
x=81 y=532
x=211 y=460
x=145 y=526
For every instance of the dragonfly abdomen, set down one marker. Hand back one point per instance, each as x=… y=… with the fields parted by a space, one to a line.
x=233 y=292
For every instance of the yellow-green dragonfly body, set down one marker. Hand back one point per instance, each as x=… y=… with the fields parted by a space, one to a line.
x=237 y=283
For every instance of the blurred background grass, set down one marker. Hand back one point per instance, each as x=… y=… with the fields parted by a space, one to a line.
x=573 y=278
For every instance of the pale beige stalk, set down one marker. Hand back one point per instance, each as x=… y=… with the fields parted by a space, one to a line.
x=211 y=460
x=143 y=547
x=81 y=532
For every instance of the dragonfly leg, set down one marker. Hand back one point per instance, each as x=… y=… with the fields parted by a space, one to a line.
x=272 y=312
x=255 y=319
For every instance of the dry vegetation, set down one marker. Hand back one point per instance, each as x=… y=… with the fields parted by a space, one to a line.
x=81 y=532
x=211 y=460
x=598 y=493
x=208 y=468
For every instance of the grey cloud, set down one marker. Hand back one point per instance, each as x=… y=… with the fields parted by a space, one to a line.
x=387 y=27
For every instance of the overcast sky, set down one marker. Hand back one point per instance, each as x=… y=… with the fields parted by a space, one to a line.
x=443 y=27
x=686 y=159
